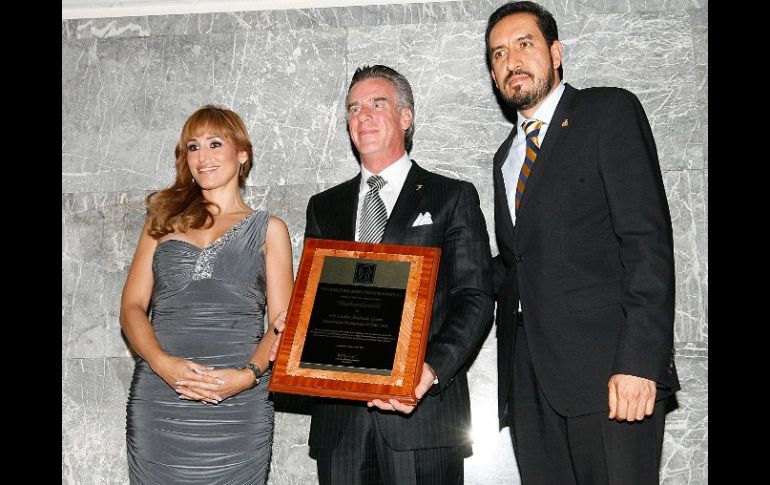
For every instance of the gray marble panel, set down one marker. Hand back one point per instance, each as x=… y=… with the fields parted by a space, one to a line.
x=623 y=6
x=103 y=28
x=69 y=278
x=313 y=18
x=125 y=102
x=703 y=248
x=192 y=24
x=343 y=17
x=701 y=54
x=94 y=394
x=426 y=13
x=470 y=10
x=369 y=46
x=700 y=35
x=291 y=463
x=458 y=122
x=686 y=193
x=685 y=445
x=99 y=234
x=258 y=20
x=628 y=51
x=287 y=89
x=282 y=20
x=68 y=29
x=279 y=20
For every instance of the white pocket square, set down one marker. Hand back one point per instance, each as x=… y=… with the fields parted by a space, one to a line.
x=423 y=220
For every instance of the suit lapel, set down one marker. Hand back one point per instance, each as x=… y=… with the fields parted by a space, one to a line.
x=411 y=193
x=344 y=213
x=502 y=194
x=502 y=154
x=556 y=131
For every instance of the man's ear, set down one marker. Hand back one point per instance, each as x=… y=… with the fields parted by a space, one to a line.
x=557 y=51
x=406 y=118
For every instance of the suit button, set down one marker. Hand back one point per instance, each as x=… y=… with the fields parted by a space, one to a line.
x=518 y=257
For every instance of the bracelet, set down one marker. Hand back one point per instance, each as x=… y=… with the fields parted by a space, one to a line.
x=254 y=369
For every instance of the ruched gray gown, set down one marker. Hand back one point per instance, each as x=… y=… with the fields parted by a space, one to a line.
x=208 y=306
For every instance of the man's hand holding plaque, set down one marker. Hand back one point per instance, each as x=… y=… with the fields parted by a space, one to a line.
x=426 y=381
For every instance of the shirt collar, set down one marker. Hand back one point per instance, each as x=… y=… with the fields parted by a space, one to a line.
x=394 y=175
x=546 y=110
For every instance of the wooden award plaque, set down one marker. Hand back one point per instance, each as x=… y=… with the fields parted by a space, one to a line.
x=358 y=321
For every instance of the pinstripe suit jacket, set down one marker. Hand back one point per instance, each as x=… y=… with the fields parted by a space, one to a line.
x=462 y=307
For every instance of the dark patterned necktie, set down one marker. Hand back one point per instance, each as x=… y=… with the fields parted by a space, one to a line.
x=374 y=215
x=531 y=131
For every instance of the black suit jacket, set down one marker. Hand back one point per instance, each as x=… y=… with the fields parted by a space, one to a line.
x=591 y=256
x=462 y=307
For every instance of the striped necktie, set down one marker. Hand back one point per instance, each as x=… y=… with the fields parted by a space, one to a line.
x=374 y=215
x=531 y=131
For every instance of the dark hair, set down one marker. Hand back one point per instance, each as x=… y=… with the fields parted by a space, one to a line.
x=403 y=89
x=545 y=22
x=182 y=206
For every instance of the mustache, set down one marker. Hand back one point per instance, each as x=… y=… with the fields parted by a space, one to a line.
x=517 y=72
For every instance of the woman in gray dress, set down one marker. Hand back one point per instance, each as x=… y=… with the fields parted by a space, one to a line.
x=205 y=267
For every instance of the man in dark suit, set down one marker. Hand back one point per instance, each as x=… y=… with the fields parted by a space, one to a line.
x=585 y=275
x=391 y=442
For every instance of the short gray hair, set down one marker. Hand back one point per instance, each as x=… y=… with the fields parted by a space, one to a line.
x=403 y=89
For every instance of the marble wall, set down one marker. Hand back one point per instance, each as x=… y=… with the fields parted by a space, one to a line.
x=129 y=83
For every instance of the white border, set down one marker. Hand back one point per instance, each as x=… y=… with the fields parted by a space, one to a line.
x=83 y=9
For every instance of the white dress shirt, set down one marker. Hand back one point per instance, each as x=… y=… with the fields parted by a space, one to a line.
x=515 y=159
x=394 y=175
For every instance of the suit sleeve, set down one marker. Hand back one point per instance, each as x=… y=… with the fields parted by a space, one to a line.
x=467 y=260
x=498 y=273
x=630 y=171
x=311 y=222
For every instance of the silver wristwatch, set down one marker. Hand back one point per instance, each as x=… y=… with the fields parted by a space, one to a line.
x=254 y=369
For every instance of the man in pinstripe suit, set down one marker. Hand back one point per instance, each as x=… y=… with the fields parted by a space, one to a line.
x=390 y=442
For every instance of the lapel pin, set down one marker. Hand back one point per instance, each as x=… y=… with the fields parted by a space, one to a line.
x=565 y=123
x=419 y=186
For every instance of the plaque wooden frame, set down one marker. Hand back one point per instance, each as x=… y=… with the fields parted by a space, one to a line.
x=289 y=377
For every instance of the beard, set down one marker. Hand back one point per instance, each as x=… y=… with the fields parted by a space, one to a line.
x=520 y=99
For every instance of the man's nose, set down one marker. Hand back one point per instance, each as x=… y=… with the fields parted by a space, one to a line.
x=513 y=61
x=365 y=113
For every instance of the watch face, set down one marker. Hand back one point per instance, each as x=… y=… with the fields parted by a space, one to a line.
x=255 y=370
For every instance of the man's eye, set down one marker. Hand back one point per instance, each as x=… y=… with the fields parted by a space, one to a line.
x=498 y=54
x=378 y=105
x=354 y=109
